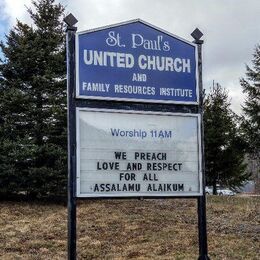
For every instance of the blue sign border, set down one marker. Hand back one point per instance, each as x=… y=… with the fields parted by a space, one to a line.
x=78 y=96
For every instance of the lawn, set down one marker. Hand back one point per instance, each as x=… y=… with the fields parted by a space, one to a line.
x=131 y=229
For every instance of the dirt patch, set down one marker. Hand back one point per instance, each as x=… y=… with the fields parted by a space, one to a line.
x=131 y=229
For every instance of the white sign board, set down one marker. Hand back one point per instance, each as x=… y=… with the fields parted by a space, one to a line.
x=131 y=153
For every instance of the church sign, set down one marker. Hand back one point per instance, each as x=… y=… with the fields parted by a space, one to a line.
x=126 y=83
x=135 y=61
x=131 y=153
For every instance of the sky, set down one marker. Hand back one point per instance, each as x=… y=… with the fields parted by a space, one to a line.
x=231 y=29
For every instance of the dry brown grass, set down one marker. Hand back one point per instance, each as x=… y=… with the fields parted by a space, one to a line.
x=131 y=229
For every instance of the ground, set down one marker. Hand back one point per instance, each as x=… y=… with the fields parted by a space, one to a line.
x=131 y=229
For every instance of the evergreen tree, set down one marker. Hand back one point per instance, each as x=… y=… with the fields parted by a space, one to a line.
x=251 y=109
x=224 y=147
x=33 y=104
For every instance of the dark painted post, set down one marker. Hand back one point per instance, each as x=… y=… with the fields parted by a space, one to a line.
x=70 y=20
x=202 y=220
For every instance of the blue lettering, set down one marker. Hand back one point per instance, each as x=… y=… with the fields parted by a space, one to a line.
x=128 y=133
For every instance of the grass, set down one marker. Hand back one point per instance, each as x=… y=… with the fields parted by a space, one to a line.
x=131 y=229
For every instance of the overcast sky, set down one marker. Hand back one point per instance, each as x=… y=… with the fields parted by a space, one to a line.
x=231 y=29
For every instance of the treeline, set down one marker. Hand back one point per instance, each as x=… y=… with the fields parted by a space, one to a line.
x=33 y=138
x=33 y=142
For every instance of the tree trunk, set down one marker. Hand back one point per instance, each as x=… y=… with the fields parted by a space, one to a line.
x=214 y=185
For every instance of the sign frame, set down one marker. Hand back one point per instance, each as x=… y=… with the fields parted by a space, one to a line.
x=181 y=194
x=73 y=102
x=78 y=96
